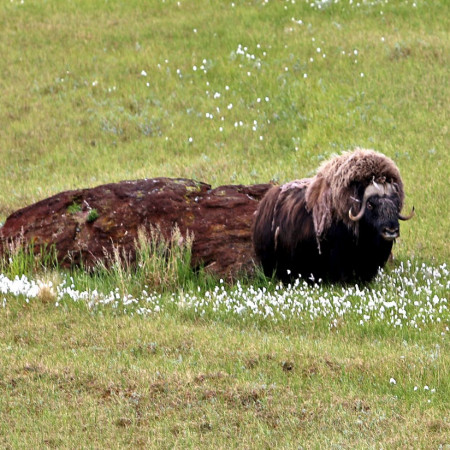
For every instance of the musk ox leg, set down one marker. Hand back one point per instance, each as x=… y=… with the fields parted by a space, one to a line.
x=339 y=254
x=371 y=260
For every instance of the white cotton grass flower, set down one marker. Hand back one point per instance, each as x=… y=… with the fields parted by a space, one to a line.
x=410 y=296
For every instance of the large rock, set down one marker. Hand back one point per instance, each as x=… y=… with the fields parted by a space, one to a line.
x=220 y=220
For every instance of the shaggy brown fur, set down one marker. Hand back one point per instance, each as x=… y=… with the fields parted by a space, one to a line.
x=340 y=181
x=282 y=222
x=290 y=212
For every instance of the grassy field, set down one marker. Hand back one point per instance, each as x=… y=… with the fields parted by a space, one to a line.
x=224 y=92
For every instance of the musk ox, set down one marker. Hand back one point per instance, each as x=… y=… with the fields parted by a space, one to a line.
x=338 y=226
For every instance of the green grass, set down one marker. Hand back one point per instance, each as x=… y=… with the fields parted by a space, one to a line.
x=95 y=381
x=96 y=92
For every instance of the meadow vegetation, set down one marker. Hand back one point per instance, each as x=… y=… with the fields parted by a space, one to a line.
x=154 y=355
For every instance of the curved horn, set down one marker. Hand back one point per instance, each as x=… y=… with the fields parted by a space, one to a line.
x=359 y=215
x=372 y=189
x=410 y=216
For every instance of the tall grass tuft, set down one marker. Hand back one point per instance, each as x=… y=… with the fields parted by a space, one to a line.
x=161 y=264
x=164 y=263
x=20 y=258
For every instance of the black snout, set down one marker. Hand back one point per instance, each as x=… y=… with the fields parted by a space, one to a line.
x=390 y=233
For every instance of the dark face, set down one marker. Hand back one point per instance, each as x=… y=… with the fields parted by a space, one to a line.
x=381 y=215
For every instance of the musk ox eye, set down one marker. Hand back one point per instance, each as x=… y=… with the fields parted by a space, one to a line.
x=369 y=205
